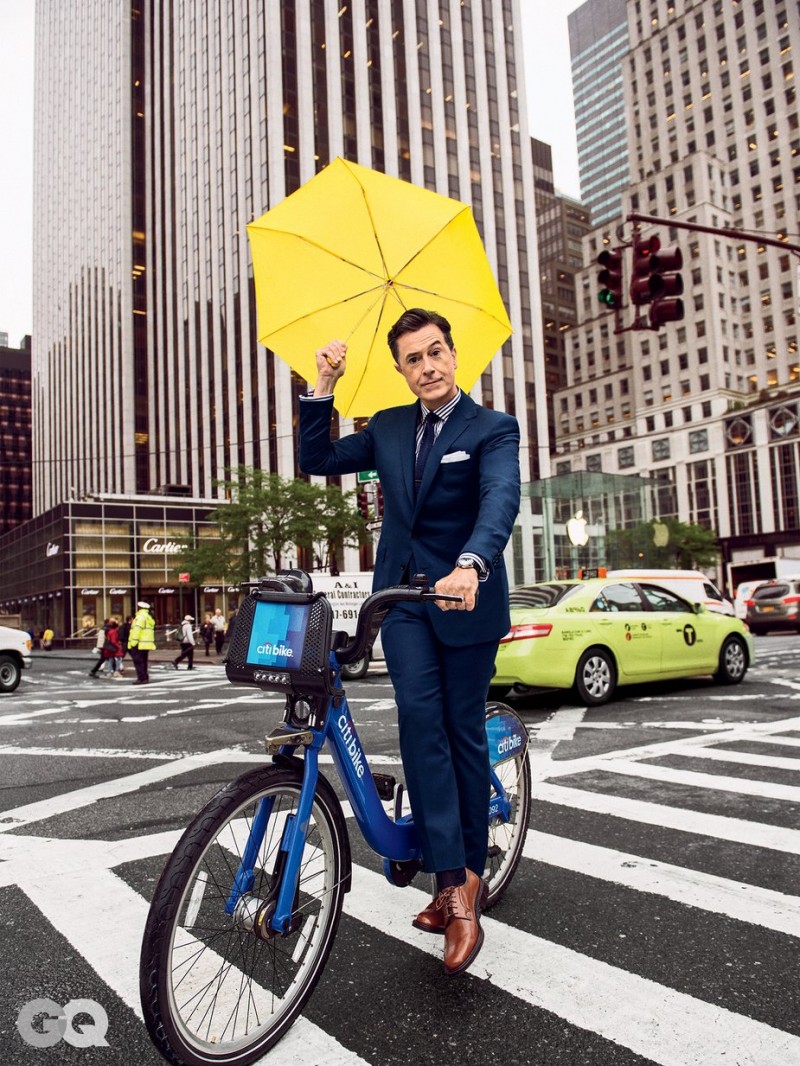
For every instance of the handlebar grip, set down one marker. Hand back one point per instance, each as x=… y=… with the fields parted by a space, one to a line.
x=441 y=596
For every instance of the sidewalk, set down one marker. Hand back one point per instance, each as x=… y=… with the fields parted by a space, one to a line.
x=166 y=654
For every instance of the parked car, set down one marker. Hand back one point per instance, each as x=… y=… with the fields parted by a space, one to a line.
x=693 y=585
x=597 y=634
x=15 y=656
x=775 y=605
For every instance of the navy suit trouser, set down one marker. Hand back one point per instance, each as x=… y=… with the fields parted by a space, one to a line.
x=441 y=701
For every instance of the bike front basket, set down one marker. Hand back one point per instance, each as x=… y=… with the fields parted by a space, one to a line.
x=281 y=642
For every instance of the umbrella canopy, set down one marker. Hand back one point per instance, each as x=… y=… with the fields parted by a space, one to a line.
x=346 y=254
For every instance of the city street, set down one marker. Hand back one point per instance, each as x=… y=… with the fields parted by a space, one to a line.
x=654 y=917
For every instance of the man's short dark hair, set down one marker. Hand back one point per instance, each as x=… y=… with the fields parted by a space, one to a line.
x=412 y=320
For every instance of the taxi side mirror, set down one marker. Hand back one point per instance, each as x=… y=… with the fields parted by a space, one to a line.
x=698 y=608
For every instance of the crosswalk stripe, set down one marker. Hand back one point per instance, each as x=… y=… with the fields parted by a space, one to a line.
x=734 y=899
x=745 y=758
x=106 y=926
x=756 y=834
x=671 y=776
x=695 y=745
x=666 y=1026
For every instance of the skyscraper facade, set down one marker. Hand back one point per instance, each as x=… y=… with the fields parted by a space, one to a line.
x=709 y=407
x=161 y=130
x=15 y=434
x=598 y=39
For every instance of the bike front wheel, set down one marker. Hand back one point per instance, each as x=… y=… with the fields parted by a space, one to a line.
x=220 y=987
x=507 y=835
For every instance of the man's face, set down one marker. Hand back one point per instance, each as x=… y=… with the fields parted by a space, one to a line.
x=428 y=366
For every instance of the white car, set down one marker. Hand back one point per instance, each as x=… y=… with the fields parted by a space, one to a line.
x=693 y=585
x=15 y=656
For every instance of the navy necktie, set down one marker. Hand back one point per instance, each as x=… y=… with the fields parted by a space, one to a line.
x=425 y=445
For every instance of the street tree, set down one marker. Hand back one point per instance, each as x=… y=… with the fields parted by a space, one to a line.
x=265 y=517
x=665 y=542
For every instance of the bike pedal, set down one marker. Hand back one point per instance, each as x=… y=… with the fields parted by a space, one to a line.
x=385 y=785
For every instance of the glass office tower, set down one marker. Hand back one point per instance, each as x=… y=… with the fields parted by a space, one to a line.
x=162 y=129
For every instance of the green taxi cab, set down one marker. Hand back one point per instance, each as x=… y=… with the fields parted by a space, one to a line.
x=597 y=634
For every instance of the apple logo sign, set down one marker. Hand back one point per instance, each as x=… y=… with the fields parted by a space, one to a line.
x=660 y=534
x=576 y=530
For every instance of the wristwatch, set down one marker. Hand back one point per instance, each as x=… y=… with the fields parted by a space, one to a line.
x=466 y=562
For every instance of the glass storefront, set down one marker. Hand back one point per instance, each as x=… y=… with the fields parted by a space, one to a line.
x=85 y=561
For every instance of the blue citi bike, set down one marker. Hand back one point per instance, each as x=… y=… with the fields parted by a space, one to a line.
x=246 y=910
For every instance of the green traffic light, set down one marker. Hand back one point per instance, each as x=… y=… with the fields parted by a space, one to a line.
x=606 y=296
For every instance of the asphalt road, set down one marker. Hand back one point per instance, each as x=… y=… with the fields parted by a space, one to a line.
x=654 y=917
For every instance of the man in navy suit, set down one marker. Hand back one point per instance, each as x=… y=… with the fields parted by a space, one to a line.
x=449 y=471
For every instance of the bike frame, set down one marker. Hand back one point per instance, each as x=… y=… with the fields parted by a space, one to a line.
x=391 y=839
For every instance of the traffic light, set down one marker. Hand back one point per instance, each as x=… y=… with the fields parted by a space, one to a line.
x=379 y=501
x=666 y=306
x=611 y=278
x=363 y=504
x=645 y=285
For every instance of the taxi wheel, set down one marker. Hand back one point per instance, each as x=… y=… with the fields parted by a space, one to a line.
x=596 y=677
x=732 y=662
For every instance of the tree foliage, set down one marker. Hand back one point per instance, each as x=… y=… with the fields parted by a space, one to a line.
x=686 y=545
x=268 y=516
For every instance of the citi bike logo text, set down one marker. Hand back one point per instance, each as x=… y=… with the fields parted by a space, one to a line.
x=352 y=748
x=508 y=744
x=42 y=1023
x=276 y=649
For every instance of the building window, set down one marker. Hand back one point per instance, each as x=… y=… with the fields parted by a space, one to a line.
x=626 y=457
x=661 y=449
x=698 y=441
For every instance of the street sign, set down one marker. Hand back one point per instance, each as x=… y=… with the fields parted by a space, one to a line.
x=184 y=578
x=363 y=476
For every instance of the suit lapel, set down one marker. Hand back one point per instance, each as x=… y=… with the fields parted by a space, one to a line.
x=463 y=412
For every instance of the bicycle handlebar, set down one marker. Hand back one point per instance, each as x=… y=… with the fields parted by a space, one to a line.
x=373 y=611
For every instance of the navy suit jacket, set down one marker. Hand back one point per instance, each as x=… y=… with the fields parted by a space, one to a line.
x=468 y=500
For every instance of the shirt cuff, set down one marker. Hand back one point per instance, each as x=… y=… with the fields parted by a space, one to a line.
x=310 y=396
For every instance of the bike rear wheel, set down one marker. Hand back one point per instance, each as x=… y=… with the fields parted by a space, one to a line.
x=507 y=838
x=213 y=989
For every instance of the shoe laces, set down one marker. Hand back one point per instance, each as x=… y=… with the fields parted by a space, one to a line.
x=452 y=902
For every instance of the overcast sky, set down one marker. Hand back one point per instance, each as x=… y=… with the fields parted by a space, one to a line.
x=551 y=119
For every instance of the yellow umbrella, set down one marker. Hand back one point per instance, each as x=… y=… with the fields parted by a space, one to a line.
x=346 y=254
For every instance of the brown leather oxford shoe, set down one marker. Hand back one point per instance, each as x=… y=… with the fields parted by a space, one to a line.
x=456 y=912
x=433 y=918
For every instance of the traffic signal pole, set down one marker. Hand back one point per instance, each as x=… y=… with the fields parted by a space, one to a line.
x=734 y=234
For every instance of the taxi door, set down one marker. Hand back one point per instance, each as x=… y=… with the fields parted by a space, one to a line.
x=684 y=644
x=622 y=621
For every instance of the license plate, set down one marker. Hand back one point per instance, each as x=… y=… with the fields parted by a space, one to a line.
x=767 y=610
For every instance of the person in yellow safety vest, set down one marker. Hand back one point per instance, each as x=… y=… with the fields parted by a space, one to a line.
x=142 y=640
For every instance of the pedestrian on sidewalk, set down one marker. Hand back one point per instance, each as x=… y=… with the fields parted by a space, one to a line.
x=112 y=652
x=142 y=640
x=207 y=633
x=98 y=648
x=187 y=643
x=218 y=622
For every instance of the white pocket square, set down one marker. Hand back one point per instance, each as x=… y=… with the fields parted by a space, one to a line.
x=455 y=457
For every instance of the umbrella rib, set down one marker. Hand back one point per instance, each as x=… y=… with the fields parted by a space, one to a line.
x=431 y=239
x=452 y=300
x=386 y=290
x=368 y=209
x=327 y=307
x=327 y=251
